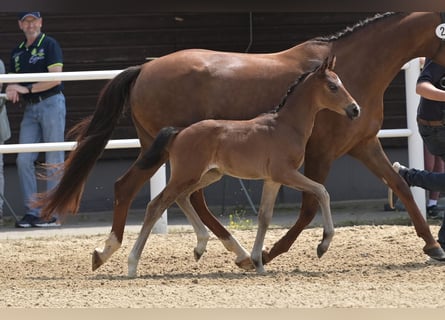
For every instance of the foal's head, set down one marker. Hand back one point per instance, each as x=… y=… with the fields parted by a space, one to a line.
x=329 y=91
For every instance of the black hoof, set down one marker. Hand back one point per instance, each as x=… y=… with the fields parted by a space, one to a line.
x=436 y=253
x=197 y=255
x=320 y=251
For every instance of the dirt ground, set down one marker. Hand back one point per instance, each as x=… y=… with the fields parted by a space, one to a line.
x=366 y=266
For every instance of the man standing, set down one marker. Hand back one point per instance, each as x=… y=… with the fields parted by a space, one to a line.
x=44 y=113
x=431 y=122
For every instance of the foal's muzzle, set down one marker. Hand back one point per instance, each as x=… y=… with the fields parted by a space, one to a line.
x=353 y=111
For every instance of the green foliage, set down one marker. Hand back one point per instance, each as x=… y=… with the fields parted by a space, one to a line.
x=238 y=220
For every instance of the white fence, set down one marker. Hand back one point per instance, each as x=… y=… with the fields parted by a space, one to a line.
x=415 y=144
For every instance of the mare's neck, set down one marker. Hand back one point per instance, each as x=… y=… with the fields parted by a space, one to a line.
x=379 y=50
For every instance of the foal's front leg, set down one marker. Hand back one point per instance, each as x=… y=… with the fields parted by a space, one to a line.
x=303 y=183
x=297 y=180
x=328 y=226
x=270 y=191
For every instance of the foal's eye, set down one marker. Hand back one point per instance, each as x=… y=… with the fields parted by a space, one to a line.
x=332 y=86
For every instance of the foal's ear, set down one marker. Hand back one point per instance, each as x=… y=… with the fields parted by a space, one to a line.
x=328 y=63
x=331 y=62
x=324 y=65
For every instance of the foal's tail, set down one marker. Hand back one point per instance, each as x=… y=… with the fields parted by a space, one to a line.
x=158 y=151
x=92 y=134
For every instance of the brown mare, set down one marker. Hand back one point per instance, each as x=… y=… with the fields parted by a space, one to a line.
x=269 y=147
x=191 y=85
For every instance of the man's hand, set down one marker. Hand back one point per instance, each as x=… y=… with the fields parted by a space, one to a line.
x=13 y=92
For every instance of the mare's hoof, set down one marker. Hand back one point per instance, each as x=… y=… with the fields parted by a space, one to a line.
x=265 y=256
x=245 y=264
x=436 y=253
x=96 y=260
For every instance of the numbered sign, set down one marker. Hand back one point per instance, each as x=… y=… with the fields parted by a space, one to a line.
x=440 y=31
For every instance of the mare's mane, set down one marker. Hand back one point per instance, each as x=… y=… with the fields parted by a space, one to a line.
x=341 y=34
x=348 y=30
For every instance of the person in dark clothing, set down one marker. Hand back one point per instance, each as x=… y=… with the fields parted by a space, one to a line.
x=44 y=113
x=431 y=123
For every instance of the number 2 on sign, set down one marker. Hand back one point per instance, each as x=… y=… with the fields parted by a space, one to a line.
x=440 y=31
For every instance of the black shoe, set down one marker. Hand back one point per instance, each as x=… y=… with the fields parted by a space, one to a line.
x=434 y=212
x=29 y=221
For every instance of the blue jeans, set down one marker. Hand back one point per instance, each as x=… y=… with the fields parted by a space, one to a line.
x=42 y=122
x=433 y=181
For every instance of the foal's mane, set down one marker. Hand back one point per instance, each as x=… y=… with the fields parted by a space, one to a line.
x=290 y=90
x=348 y=30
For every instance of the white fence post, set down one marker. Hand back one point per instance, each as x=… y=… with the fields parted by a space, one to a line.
x=157 y=183
x=415 y=142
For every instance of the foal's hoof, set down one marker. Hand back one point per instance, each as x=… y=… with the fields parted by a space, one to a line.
x=197 y=254
x=96 y=260
x=435 y=253
x=245 y=264
x=321 y=251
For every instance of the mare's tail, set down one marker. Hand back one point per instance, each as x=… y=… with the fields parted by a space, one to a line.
x=92 y=134
x=158 y=153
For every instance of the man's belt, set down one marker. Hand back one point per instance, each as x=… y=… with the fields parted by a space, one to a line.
x=39 y=98
x=430 y=123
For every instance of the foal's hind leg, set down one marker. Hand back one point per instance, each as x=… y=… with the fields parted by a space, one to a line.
x=242 y=259
x=125 y=189
x=202 y=235
x=153 y=212
x=270 y=191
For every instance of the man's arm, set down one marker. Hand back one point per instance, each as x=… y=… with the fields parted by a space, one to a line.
x=13 y=91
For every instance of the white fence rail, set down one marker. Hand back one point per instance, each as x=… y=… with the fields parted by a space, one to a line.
x=415 y=144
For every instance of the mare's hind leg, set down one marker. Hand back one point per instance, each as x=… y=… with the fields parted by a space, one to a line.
x=372 y=155
x=125 y=189
x=242 y=259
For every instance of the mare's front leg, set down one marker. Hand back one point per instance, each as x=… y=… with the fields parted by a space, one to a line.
x=373 y=156
x=270 y=191
x=125 y=189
